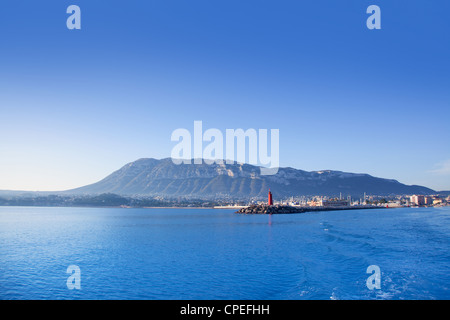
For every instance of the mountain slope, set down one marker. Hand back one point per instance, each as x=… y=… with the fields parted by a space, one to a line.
x=164 y=178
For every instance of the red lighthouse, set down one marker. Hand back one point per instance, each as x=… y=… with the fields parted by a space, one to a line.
x=270 y=202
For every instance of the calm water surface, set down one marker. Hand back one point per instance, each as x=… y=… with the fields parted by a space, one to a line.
x=217 y=254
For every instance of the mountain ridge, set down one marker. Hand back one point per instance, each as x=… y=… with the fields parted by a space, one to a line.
x=153 y=177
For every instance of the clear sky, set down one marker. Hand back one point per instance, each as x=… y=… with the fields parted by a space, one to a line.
x=76 y=105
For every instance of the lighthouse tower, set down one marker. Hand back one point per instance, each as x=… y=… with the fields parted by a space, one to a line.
x=270 y=202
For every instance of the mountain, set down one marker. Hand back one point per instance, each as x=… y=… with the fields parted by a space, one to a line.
x=152 y=177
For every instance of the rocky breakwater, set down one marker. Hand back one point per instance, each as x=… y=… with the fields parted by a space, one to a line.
x=277 y=209
x=266 y=209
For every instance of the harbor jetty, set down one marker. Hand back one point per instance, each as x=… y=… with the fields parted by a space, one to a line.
x=285 y=209
x=271 y=208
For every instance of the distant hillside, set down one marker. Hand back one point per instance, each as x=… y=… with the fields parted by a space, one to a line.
x=444 y=193
x=152 y=177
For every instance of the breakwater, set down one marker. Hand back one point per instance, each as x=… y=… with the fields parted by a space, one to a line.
x=284 y=209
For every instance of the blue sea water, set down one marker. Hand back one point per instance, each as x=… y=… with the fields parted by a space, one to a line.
x=217 y=254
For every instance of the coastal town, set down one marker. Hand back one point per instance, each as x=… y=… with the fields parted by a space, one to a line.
x=221 y=202
x=324 y=203
x=393 y=201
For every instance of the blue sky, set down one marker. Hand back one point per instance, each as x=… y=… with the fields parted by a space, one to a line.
x=76 y=105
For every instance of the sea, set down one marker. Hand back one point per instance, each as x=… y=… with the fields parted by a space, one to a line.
x=212 y=254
